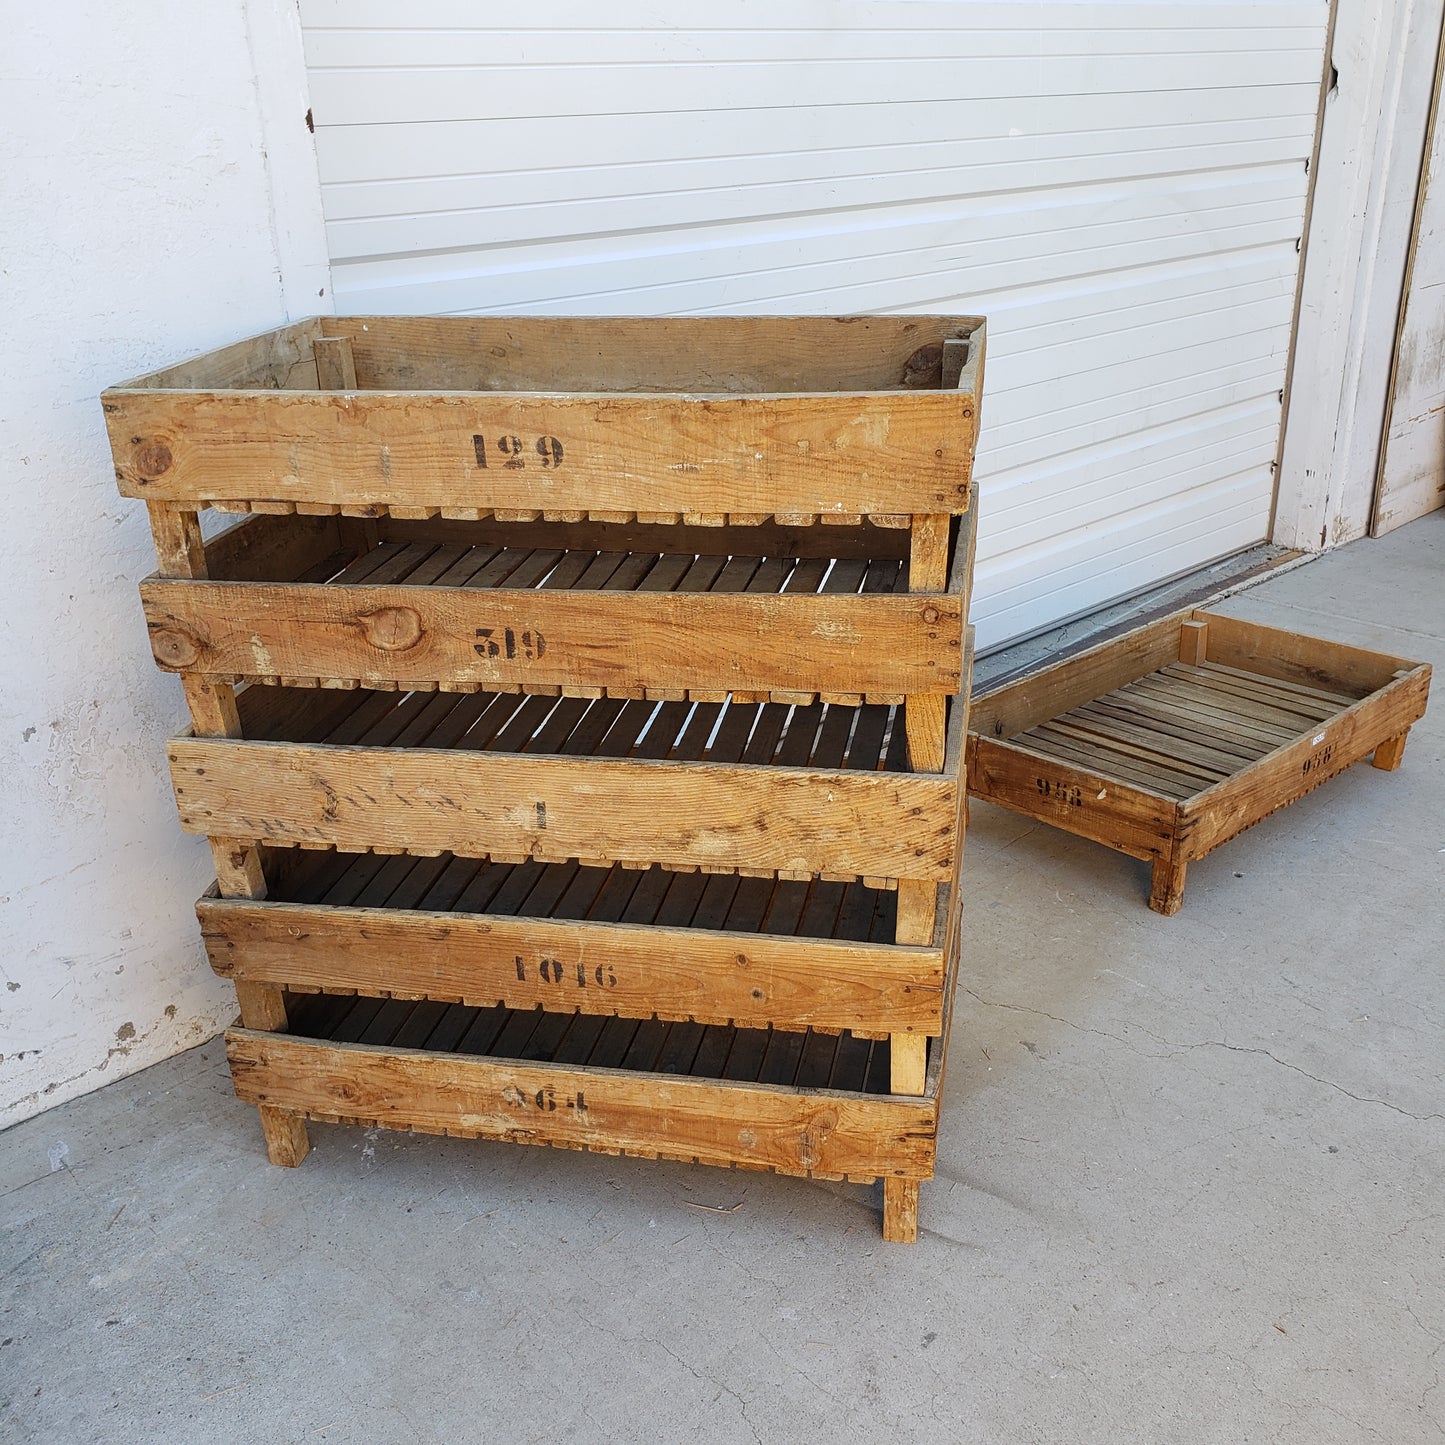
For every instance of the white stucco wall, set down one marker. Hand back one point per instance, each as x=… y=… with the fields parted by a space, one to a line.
x=137 y=227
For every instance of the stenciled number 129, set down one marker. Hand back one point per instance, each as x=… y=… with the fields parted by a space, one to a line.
x=512 y=449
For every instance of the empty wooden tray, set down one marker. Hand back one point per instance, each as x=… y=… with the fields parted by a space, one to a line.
x=1170 y=740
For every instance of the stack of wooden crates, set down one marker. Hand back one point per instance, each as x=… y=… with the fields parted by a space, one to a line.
x=578 y=724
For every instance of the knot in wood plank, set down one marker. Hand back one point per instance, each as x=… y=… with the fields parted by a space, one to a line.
x=392 y=629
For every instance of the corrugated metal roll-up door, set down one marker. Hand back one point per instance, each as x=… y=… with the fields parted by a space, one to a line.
x=1120 y=188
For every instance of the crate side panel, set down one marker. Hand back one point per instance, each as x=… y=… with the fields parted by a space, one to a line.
x=1053 y=791
x=711 y=354
x=271 y=361
x=1017 y=706
x=791 y=1130
x=1215 y=816
x=912 y=452
x=1294 y=657
x=711 y=977
x=886 y=825
x=498 y=638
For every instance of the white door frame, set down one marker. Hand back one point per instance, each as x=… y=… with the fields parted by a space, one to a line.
x=1379 y=74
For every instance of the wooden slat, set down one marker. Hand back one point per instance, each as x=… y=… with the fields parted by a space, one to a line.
x=1180 y=697
x=1150 y=717
x=877 y=824
x=1281 y=696
x=379 y=635
x=1335 y=700
x=789 y=1130
x=1049 y=741
x=769 y=539
x=1170 y=764
x=1249 y=704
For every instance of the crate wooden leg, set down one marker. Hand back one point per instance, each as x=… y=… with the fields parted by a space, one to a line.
x=900 y=1211
x=335 y=363
x=238 y=861
x=908 y=1066
x=925 y=722
x=925 y=715
x=1389 y=755
x=263 y=1006
x=180 y=552
x=1167 y=893
x=1193 y=643
x=908 y=1053
x=287 y=1143
x=238 y=868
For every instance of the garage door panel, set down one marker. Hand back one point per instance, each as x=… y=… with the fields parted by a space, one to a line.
x=1139 y=550
x=469 y=44
x=511 y=92
x=1119 y=187
x=1158 y=330
x=823 y=16
x=1036 y=317
x=953 y=248
x=383 y=219
x=1130 y=122
x=1112 y=479
x=1096 y=391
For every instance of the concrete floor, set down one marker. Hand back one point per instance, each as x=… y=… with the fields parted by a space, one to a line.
x=1190 y=1188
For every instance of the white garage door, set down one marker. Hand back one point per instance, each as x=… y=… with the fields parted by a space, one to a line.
x=1119 y=188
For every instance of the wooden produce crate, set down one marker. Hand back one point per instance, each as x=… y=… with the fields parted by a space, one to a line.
x=1170 y=740
x=703 y=419
x=585 y=609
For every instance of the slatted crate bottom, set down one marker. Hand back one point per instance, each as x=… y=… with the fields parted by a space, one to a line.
x=796 y=1103
x=734 y=729
x=1211 y=725
x=768 y=787
x=436 y=607
x=605 y=940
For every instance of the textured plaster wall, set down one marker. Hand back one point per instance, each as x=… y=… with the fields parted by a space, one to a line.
x=137 y=227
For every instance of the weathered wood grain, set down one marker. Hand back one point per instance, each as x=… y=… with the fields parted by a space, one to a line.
x=889 y=452
x=270 y=549
x=763 y=539
x=894 y=825
x=793 y=1131
x=335 y=363
x=1294 y=657
x=1217 y=814
x=1002 y=712
x=749 y=979
x=1127 y=819
x=272 y=360
x=701 y=354
x=900 y=1211
x=489 y=637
